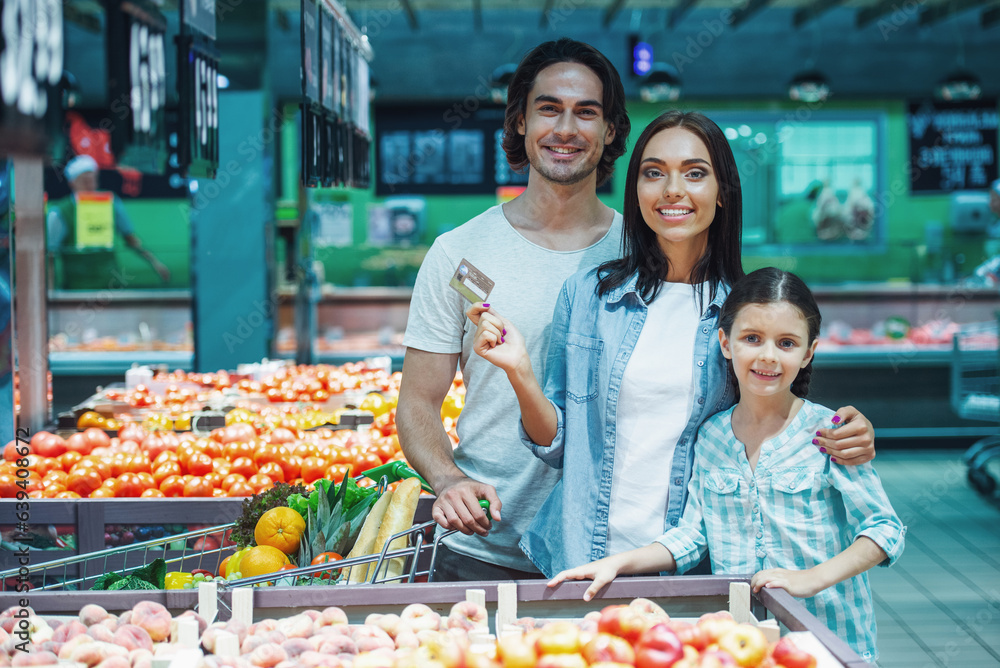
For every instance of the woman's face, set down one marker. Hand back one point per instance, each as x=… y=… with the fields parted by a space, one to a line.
x=678 y=190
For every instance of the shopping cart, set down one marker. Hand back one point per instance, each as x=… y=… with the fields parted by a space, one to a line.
x=81 y=572
x=975 y=395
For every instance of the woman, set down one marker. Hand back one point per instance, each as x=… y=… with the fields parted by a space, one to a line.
x=634 y=365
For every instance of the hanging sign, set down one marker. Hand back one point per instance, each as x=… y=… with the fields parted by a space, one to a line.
x=953 y=145
x=95 y=220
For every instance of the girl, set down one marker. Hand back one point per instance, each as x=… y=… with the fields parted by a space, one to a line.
x=634 y=366
x=762 y=499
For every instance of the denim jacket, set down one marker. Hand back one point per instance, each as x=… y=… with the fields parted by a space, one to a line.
x=591 y=342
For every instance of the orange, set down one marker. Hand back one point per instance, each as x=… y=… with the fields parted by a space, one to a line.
x=280 y=528
x=262 y=559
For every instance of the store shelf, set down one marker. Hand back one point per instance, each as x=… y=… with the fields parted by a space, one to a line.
x=96 y=298
x=80 y=363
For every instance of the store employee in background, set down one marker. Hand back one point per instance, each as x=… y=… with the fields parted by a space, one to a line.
x=81 y=229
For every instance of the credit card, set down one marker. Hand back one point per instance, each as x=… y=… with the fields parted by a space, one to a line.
x=471 y=283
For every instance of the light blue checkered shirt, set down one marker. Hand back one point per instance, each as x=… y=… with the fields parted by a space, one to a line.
x=796 y=510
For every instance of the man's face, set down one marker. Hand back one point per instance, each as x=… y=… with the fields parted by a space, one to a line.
x=86 y=182
x=563 y=125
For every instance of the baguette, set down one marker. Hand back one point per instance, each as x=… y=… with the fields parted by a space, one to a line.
x=398 y=517
x=366 y=538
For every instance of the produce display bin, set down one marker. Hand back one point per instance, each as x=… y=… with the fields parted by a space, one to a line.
x=680 y=596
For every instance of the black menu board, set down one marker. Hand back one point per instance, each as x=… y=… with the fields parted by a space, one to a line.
x=953 y=145
x=310 y=48
x=31 y=62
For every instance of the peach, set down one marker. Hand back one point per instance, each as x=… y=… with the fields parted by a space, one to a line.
x=69 y=630
x=34 y=659
x=317 y=660
x=154 y=618
x=115 y=662
x=125 y=618
x=92 y=613
x=406 y=639
x=95 y=652
x=101 y=632
x=381 y=658
x=4 y=636
x=111 y=622
x=419 y=616
x=50 y=646
x=211 y=635
x=332 y=616
x=237 y=628
x=338 y=630
x=67 y=648
x=390 y=623
x=267 y=655
x=133 y=637
x=263 y=626
x=467 y=615
x=650 y=609
x=296 y=626
x=313 y=614
x=337 y=644
x=276 y=637
x=137 y=656
x=251 y=643
x=296 y=646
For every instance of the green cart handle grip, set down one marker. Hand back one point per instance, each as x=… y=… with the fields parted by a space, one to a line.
x=394 y=471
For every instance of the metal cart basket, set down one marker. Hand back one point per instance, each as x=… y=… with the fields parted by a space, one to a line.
x=975 y=394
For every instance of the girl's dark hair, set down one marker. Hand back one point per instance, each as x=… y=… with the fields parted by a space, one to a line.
x=566 y=50
x=770 y=286
x=640 y=250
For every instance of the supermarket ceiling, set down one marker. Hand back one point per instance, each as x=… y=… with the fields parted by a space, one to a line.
x=446 y=49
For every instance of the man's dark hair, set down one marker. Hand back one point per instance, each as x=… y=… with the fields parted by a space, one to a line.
x=566 y=50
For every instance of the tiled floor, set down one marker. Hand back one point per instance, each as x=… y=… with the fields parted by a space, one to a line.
x=939 y=606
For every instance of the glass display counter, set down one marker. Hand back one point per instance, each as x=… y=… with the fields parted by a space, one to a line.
x=104 y=332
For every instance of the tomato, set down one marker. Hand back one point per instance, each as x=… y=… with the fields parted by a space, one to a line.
x=281 y=436
x=260 y=482
x=163 y=457
x=129 y=485
x=49 y=445
x=326 y=558
x=337 y=472
x=172 y=485
x=270 y=452
x=240 y=488
x=231 y=480
x=89 y=419
x=139 y=463
x=273 y=470
x=154 y=445
x=235 y=450
x=97 y=438
x=313 y=468
x=153 y=493
x=197 y=486
x=199 y=464
x=213 y=478
x=79 y=443
x=244 y=466
x=165 y=470
x=83 y=480
x=366 y=461
x=8 y=486
x=291 y=467
x=69 y=459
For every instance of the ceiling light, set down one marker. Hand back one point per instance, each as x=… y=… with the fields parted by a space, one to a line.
x=959 y=85
x=809 y=86
x=499 y=81
x=662 y=84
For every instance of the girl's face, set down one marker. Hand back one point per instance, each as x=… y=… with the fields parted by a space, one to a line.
x=678 y=190
x=768 y=344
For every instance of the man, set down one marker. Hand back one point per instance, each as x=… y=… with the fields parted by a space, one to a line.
x=566 y=122
x=86 y=263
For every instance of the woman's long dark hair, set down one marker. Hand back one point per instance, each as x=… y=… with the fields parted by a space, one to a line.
x=565 y=50
x=771 y=286
x=641 y=252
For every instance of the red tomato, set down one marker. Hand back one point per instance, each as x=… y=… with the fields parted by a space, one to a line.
x=48 y=445
x=172 y=485
x=197 y=486
x=79 y=443
x=326 y=558
x=97 y=437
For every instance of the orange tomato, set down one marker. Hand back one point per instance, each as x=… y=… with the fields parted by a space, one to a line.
x=99 y=464
x=139 y=464
x=199 y=464
x=198 y=486
x=164 y=457
x=260 y=482
x=68 y=459
x=102 y=493
x=244 y=466
x=273 y=470
x=172 y=485
x=165 y=470
x=147 y=480
x=313 y=468
x=56 y=476
x=97 y=437
x=234 y=451
x=8 y=486
x=214 y=478
x=129 y=485
x=222 y=466
x=292 y=467
x=337 y=472
x=66 y=494
x=83 y=480
x=231 y=479
x=240 y=488
x=212 y=448
x=152 y=492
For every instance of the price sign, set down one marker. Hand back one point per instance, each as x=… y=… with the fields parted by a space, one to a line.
x=148 y=79
x=198 y=84
x=31 y=62
x=953 y=145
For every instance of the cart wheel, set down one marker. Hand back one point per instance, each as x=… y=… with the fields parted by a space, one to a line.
x=982 y=482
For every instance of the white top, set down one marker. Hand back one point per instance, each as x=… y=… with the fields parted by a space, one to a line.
x=653 y=409
x=528 y=279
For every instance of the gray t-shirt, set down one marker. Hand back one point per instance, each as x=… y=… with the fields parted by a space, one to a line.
x=528 y=280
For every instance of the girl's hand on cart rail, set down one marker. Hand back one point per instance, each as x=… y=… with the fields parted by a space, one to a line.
x=458 y=506
x=797 y=583
x=601 y=572
x=850 y=439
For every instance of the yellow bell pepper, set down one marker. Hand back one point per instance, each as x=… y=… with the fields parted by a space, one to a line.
x=233 y=566
x=177 y=580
